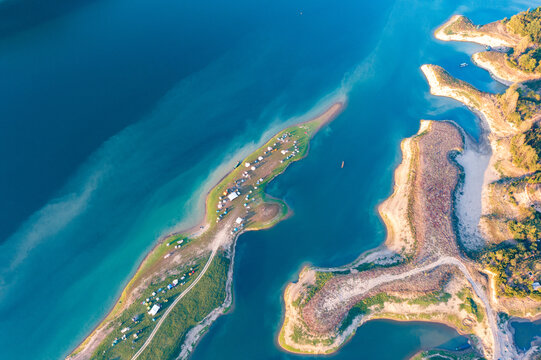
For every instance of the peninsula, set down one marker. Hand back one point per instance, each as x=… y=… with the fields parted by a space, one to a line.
x=184 y=283
x=473 y=268
x=512 y=45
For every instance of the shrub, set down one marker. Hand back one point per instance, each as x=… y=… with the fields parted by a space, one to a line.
x=526 y=149
x=527 y=23
x=527 y=63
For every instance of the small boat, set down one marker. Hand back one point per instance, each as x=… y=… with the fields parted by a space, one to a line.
x=463 y=65
x=488 y=48
x=342 y=165
x=237 y=165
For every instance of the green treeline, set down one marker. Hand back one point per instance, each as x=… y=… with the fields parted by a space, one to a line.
x=527 y=24
x=526 y=56
x=526 y=149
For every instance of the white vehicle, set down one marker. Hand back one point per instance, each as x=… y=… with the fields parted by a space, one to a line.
x=154 y=309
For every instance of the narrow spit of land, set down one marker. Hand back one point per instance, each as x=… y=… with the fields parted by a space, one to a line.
x=174 y=303
x=186 y=277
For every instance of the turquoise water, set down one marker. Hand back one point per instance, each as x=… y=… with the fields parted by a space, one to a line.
x=116 y=117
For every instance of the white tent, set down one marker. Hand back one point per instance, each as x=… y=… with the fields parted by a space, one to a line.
x=154 y=309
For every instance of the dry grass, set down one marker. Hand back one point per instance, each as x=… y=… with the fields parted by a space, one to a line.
x=432 y=213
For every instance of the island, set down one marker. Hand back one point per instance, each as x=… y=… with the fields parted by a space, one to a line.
x=463 y=223
x=184 y=283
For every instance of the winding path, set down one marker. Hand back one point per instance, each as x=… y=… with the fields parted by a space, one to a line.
x=501 y=350
x=170 y=308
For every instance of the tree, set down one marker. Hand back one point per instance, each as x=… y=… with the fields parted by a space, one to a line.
x=527 y=63
x=527 y=24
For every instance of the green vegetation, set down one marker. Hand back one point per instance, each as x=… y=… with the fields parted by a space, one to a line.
x=376 y=303
x=468 y=354
x=365 y=266
x=171 y=240
x=469 y=304
x=461 y=25
x=526 y=149
x=125 y=348
x=517 y=266
x=301 y=133
x=207 y=295
x=412 y=176
x=527 y=24
x=447 y=318
x=528 y=103
x=210 y=291
x=503 y=318
x=523 y=155
x=152 y=259
x=519 y=103
x=321 y=279
x=432 y=298
x=463 y=88
x=528 y=61
x=526 y=56
x=298 y=334
x=364 y=307
x=518 y=183
x=528 y=228
x=267 y=200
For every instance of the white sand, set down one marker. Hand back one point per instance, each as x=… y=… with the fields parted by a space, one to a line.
x=475 y=160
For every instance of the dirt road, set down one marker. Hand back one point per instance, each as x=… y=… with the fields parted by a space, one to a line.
x=503 y=348
x=219 y=240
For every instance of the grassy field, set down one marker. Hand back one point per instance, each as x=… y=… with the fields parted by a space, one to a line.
x=432 y=298
x=364 y=306
x=469 y=354
x=301 y=133
x=321 y=279
x=124 y=349
x=463 y=88
x=461 y=25
x=210 y=291
x=469 y=305
x=207 y=295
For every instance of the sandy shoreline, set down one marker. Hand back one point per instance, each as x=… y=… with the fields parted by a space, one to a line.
x=471 y=208
x=314 y=319
x=474 y=160
x=391 y=213
x=497 y=38
x=322 y=312
x=494 y=72
x=100 y=330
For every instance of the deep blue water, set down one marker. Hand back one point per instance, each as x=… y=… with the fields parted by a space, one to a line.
x=116 y=117
x=526 y=332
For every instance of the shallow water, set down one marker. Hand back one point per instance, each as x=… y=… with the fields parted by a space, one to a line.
x=117 y=116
